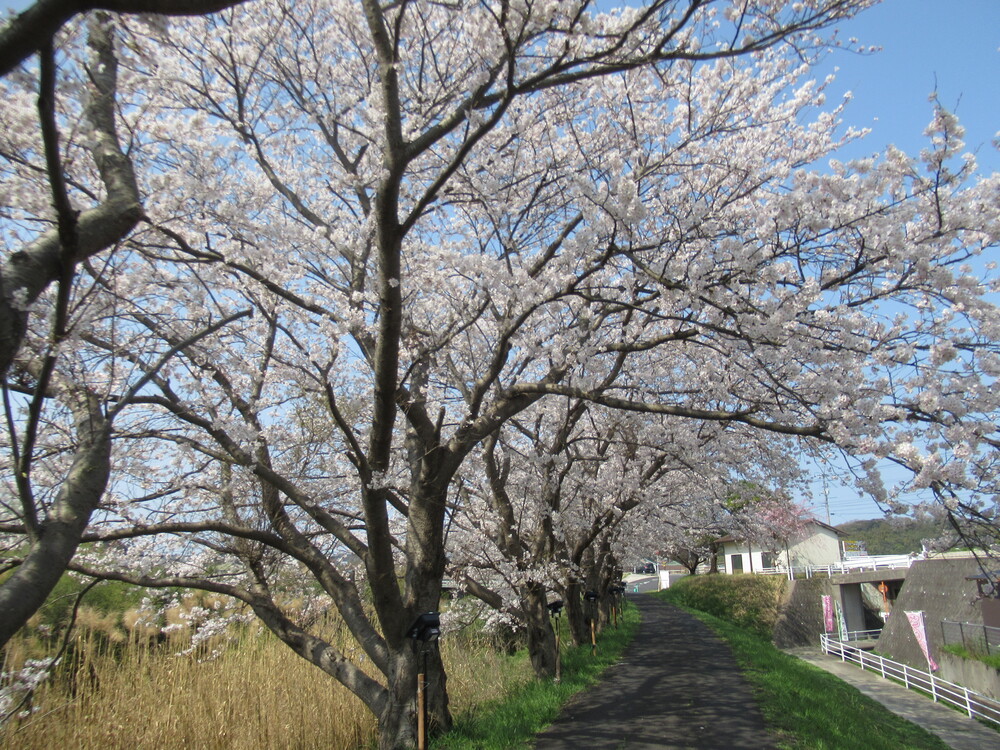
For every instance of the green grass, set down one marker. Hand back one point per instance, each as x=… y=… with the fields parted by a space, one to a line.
x=992 y=660
x=810 y=709
x=513 y=722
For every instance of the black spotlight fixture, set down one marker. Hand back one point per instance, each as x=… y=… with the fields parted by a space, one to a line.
x=426 y=628
x=555 y=607
x=590 y=596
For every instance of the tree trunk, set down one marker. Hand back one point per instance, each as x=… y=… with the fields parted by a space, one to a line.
x=576 y=613
x=24 y=592
x=541 y=636
x=397 y=722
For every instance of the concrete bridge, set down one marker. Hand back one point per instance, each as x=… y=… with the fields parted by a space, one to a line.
x=878 y=588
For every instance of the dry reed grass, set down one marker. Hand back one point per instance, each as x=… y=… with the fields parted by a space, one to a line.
x=256 y=694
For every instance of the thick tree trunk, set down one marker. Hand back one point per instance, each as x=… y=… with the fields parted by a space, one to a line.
x=576 y=613
x=397 y=721
x=423 y=589
x=541 y=636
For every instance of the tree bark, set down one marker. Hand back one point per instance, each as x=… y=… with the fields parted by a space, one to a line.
x=28 y=272
x=59 y=534
x=576 y=613
x=541 y=636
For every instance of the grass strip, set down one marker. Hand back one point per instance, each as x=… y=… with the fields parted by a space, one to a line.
x=514 y=721
x=809 y=708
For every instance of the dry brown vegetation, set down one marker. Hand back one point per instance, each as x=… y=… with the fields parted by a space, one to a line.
x=118 y=689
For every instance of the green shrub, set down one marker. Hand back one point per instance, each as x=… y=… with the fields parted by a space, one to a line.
x=750 y=601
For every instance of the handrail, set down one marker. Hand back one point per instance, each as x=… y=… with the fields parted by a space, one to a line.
x=862 y=635
x=942 y=691
x=854 y=565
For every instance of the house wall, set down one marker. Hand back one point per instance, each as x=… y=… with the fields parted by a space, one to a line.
x=821 y=547
x=740 y=548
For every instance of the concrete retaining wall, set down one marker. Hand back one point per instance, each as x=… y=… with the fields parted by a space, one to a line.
x=971 y=673
x=938 y=587
x=801 y=620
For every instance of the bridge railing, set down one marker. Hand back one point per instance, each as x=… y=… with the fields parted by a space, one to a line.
x=941 y=691
x=861 y=635
x=853 y=565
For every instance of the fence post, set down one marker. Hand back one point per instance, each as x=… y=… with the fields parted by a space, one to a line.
x=961 y=633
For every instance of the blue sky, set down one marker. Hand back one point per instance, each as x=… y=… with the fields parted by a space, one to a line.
x=947 y=45
x=950 y=46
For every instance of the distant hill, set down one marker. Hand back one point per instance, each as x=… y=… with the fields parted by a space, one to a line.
x=893 y=536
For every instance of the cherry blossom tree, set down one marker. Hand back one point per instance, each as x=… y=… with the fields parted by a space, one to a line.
x=50 y=257
x=442 y=216
x=54 y=513
x=566 y=494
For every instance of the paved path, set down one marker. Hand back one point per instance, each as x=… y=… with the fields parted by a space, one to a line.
x=958 y=731
x=676 y=688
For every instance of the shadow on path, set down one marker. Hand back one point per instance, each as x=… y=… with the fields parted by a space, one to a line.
x=677 y=686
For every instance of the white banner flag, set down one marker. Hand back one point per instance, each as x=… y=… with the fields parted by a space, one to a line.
x=919 y=630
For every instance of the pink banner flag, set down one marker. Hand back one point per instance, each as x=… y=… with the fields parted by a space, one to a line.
x=917 y=623
x=828 y=613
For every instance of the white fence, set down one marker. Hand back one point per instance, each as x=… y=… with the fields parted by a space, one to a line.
x=854 y=565
x=942 y=691
x=861 y=635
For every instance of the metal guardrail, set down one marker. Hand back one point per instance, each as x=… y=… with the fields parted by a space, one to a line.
x=942 y=691
x=854 y=565
x=861 y=635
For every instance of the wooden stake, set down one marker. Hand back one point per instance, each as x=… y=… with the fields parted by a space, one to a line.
x=421 y=713
x=558 y=655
